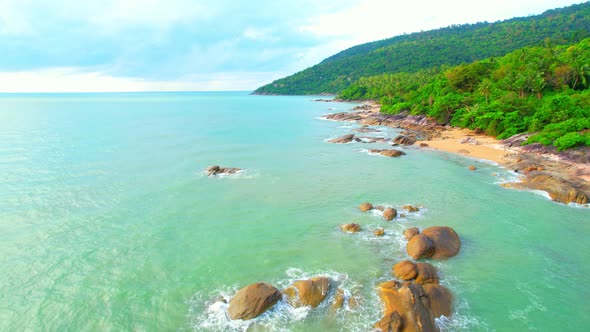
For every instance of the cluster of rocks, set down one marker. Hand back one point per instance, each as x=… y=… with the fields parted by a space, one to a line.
x=348 y=138
x=216 y=170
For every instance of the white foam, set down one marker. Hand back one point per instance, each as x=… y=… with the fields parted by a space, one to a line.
x=241 y=174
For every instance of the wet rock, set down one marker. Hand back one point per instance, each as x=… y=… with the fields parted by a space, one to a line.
x=338 y=301
x=216 y=169
x=404 y=140
x=405 y=270
x=380 y=208
x=559 y=190
x=410 y=302
x=308 y=292
x=426 y=274
x=379 y=232
x=351 y=228
x=410 y=208
x=445 y=240
x=411 y=232
x=402 y=215
x=389 y=213
x=253 y=300
x=342 y=139
x=364 y=207
x=388 y=153
x=420 y=246
x=440 y=299
x=472 y=168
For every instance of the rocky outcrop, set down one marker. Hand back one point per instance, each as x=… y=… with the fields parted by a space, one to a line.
x=342 y=139
x=388 y=153
x=559 y=190
x=404 y=140
x=215 y=170
x=253 y=300
x=434 y=242
x=308 y=292
x=351 y=228
x=364 y=207
x=389 y=213
x=406 y=308
x=419 y=273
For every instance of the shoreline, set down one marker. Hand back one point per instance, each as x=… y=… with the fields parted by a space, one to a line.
x=565 y=181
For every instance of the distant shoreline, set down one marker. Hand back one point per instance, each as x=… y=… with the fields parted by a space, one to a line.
x=566 y=181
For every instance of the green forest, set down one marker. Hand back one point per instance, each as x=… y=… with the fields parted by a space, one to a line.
x=543 y=90
x=452 y=45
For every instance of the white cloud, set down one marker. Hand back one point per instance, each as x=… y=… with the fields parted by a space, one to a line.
x=78 y=80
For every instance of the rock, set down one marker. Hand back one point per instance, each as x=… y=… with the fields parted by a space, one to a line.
x=338 y=301
x=342 y=139
x=389 y=213
x=351 y=228
x=379 y=232
x=420 y=246
x=391 y=322
x=308 y=292
x=410 y=208
x=405 y=270
x=404 y=140
x=410 y=302
x=424 y=145
x=558 y=189
x=469 y=140
x=391 y=153
x=445 y=241
x=380 y=208
x=472 y=168
x=364 y=207
x=214 y=170
x=402 y=215
x=353 y=302
x=253 y=300
x=365 y=129
x=411 y=232
x=440 y=299
x=426 y=274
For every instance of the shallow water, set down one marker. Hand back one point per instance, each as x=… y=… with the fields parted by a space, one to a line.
x=107 y=221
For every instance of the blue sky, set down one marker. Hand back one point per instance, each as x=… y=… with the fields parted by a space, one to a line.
x=143 y=45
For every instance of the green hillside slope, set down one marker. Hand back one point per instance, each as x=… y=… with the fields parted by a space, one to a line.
x=452 y=45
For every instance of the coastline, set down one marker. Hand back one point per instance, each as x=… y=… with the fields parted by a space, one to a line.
x=565 y=181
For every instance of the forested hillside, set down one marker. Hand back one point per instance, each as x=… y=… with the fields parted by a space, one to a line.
x=545 y=90
x=452 y=46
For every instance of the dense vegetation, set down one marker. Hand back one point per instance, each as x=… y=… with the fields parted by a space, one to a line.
x=451 y=46
x=540 y=89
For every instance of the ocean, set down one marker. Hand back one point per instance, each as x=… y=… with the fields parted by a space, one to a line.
x=109 y=223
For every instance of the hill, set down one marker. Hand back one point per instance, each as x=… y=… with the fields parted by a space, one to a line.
x=452 y=45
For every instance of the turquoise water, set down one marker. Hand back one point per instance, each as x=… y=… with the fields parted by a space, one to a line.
x=107 y=221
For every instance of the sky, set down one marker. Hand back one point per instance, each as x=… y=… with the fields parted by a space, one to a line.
x=178 y=45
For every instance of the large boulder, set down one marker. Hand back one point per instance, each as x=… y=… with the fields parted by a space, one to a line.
x=420 y=246
x=364 y=207
x=404 y=140
x=216 y=169
x=445 y=240
x=342 y=139
x=405 y=270
x=253 y=300
x=389 y=213
x=440 y=298
x=411 y=232
x=351 y=228
x=308 y=292
x=410 y=302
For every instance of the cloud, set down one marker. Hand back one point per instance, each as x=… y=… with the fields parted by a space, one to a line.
x=79 y=80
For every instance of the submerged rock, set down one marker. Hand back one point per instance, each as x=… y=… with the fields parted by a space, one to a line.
x=342 y=139
x=308 y=292
x=253 y=300
x=215 y=170
x=351 y=228
x=472 y=168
